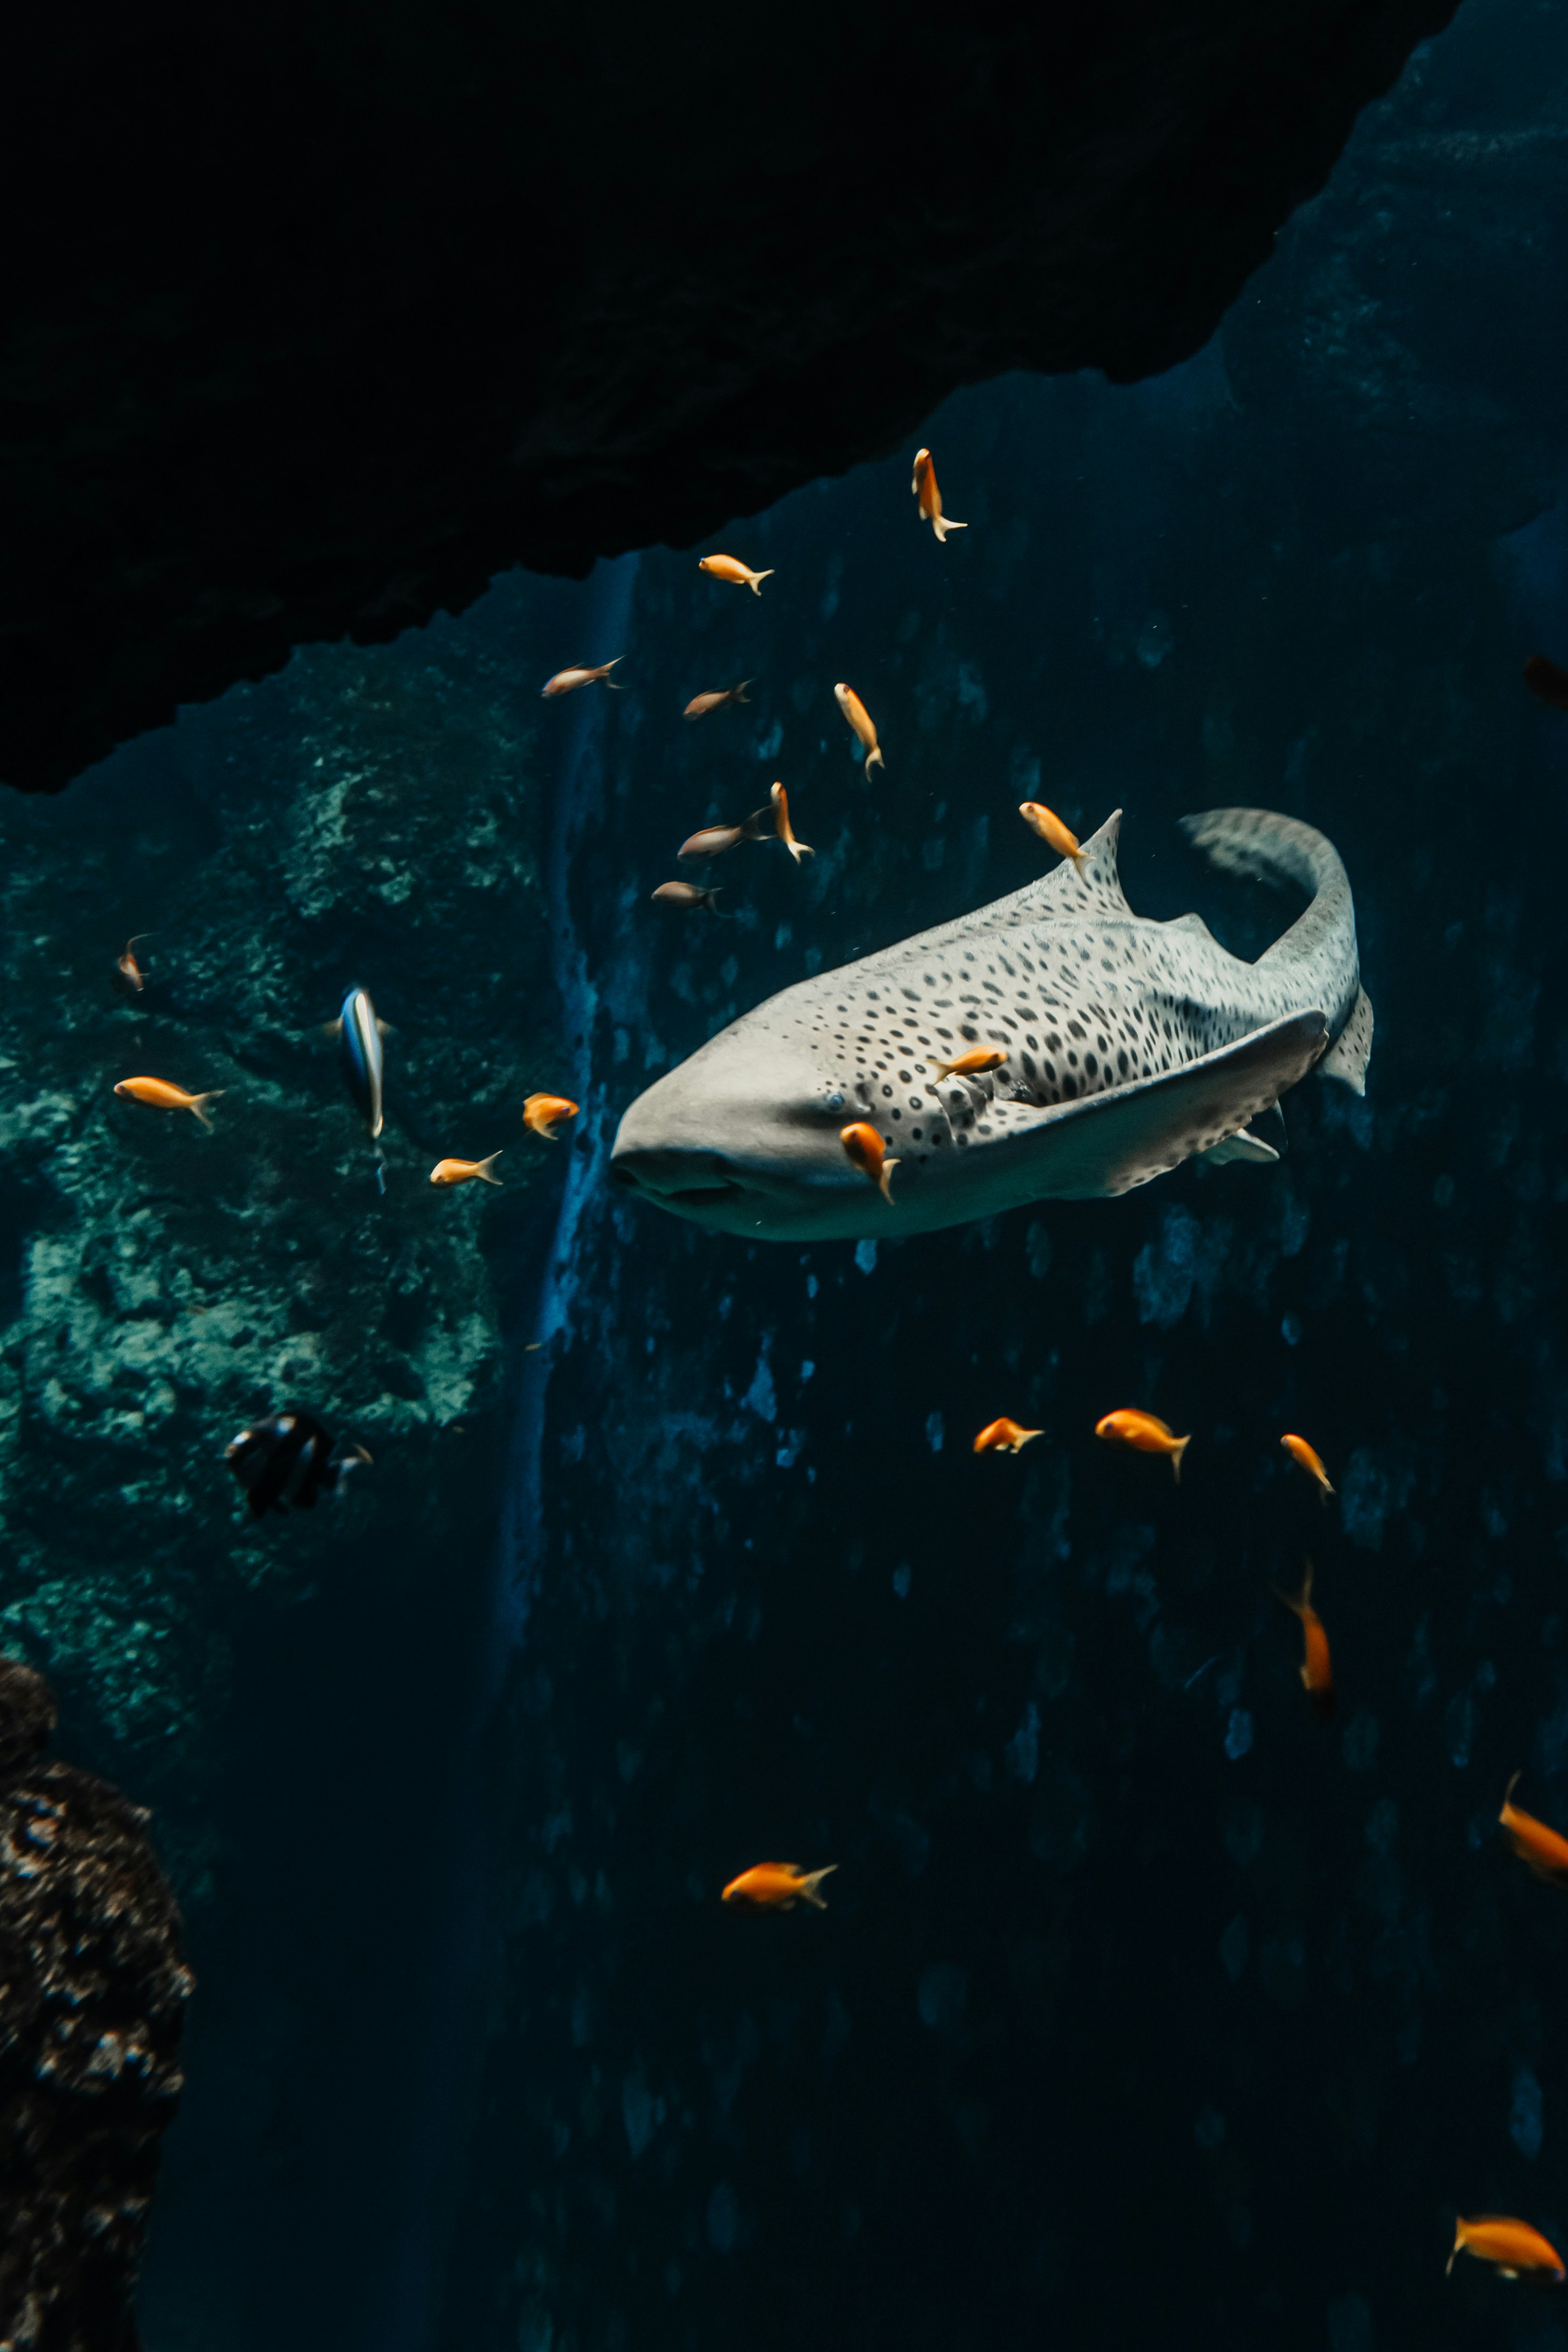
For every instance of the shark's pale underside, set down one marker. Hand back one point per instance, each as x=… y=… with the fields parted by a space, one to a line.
x=1130 y=1047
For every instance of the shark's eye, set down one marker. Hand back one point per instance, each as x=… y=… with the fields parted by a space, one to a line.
x=834 y=1102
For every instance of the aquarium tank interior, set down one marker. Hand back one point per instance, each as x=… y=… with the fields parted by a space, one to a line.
x=664 y=1681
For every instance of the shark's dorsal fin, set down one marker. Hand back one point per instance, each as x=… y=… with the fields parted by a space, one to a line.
x=1347 y=1057
x=1095 y=867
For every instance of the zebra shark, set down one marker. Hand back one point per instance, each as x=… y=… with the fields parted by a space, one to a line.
x=1131 y=1046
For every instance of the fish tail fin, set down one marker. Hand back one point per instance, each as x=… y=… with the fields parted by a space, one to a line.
x=884 y=1181
x=214 y=1093
x=1458 y=2247
x=1326 y=1489
x=942 y=524
x=710 y=898
x=799 y=849
x=942 y=1069
x=756 y=580
x=873 y=758
x=482 y=1169
x=1180 y=1448
x=738 y=693
x=332 y=1028
x=810 y=1884
x=1077 y=856
x=1508 y=1792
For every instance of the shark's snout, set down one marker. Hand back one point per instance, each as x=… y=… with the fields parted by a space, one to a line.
x=676 y=1179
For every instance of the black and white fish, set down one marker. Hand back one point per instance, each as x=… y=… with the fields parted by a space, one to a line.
x=359 y=1032
x=1130 y=1046
x=287 y=1460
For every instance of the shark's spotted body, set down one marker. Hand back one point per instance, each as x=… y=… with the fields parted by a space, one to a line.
x=1131 y=1046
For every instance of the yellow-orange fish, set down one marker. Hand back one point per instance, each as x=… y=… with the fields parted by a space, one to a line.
x=1518 y=2252
x=1146 y=1432
x=127 y=971
x=1004 y=1437
x=973 y=1065
x=544 y=1113
x=924 y=488
x=700 y=704
x=1542 y=1849
x=1299 y=1450
x=463 y=1171
x=1052 y=831
x=1317 y=1666
x=866 y=1150
x=160 y=1096
x=779 y=1887
x=859 y=719
x=785 y=831
x=738 y=574
x=567 y=681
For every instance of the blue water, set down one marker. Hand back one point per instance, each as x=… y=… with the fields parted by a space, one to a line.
x=1146 y=2005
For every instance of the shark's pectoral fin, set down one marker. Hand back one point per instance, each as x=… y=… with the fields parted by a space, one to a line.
x=1347 y=1057
x=1240 y=1146
x=1107 y=1143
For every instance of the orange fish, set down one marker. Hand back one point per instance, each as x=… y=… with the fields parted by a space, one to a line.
x=1052 y=831
x=1145 y=1433
x=463 y=1171
x=779 y=1887
x=1299 y=1450
x=1518 y=2252
x=543 y=1113
x=1004 y=1437
x=567 y=681
x=1547 y=681
x=128 y=970
x=971 y=1065
x=1317 y=1666
x=700 y=704
x=161 y=1096
x=924 y=488
x=738 y=574
x=867 y=1153
x=784 y=830
x=859 y=719
x=1542 y=1849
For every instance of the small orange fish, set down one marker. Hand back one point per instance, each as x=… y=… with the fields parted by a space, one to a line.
x=1542 y=1849
x=859 y=719
x=924 y=488
x=1518 y=2252
x=567 y=681
x=738 y=574
x=700 y=704
x=161 y=1096
x=128 y=970
x=1546 y=681
x=463 y=1171
x=1146 y=1432
x=866 y=1150
x=779 y=1887
x=1299 y=1450
x=684 y=894
x=973 y=1065
x=784 y=830
x=1004 y=1437
x=543 y=1113
x=1317 y=1666
x=1052 y=831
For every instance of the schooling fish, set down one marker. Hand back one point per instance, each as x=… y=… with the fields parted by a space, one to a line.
x=738 y=574
x=463 y=1171
x=359 y=1031
x=160 y=1095
x=1517 y=2251
x=288 y=1459
x=1004 y=1437
x=779 y=1887
x=684 y=894
x=567 y=681
x=1317 y=1667
x=865 y=1149
x=1052 y=831
x=712 y=840
x=783 y=828
x=1299 y=1450
x=1132 y=1045
x=924 y=488
x=1542 y=1849
x=129 y=973
x=1546 y=681
x=544 y=1113
x=700 y=704
x=972 y=1065
x=859 y=719
x=1145 y=1433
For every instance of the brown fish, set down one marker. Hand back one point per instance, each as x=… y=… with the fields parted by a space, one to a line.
x=684 y=894
x=1317 y=1667
x=1545 y=1852
x=700 y=704
x=129 y=973
x=712 y=840
x=779 y=1887
x=783 y=828
x=1546 y=681
x=1311 y=1462
x=567 y=681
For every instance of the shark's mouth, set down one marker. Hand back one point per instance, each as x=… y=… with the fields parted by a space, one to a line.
x=677 y=1179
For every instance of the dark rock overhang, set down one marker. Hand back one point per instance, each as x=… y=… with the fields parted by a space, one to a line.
x=320 y=316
